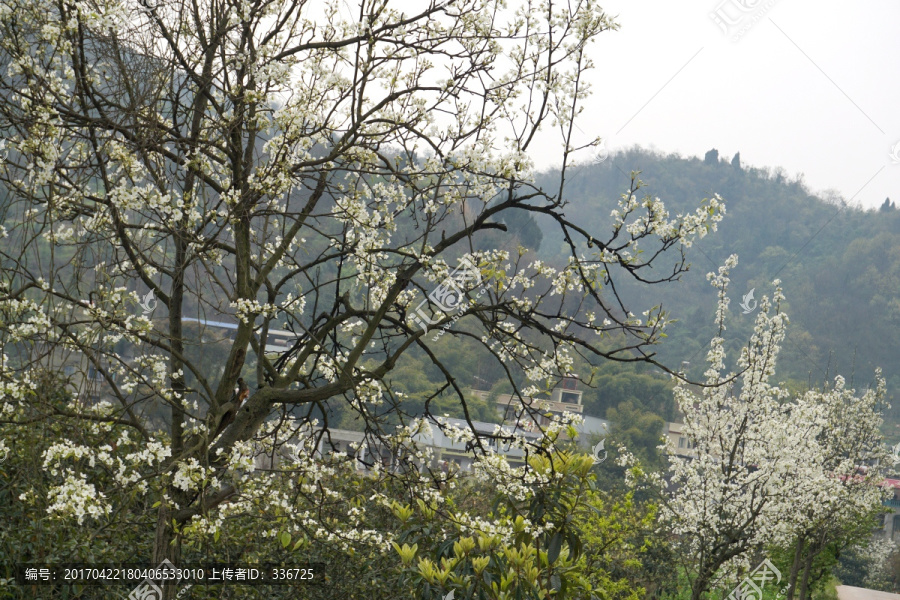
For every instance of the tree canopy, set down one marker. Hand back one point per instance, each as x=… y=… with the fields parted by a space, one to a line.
x=292 y=167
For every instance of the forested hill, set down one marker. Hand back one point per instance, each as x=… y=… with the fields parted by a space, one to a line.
x=839 y=265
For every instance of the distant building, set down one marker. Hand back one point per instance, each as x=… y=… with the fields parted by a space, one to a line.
x=444 y=451
x=892 y=504
x=590 y=427
x=678 y=440
x=277 y=341
x=564 y=398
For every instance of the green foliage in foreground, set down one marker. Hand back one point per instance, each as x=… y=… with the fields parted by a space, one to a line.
x=568 y=542
x=556 y=536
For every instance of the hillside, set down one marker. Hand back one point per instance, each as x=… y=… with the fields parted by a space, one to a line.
x=839 y=265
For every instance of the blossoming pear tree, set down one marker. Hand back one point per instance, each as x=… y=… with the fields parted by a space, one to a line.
x=767 y=470
x=319 y=168
x=848 y=493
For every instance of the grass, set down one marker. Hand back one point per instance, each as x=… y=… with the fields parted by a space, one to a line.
x=828 y=590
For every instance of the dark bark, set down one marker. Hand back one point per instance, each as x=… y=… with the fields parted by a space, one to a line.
x=166 y=545
x=795 y=567
x=807 y=567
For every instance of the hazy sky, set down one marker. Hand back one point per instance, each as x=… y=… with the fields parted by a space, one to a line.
x=809 y=86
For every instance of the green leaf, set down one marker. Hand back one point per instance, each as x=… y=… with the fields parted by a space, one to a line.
x=555 y=582
x=554 y=548
x=285 y=539
x=445 y=548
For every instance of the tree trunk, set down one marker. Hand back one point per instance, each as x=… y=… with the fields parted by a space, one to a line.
x=807 y=567
x=795 y=567
x=166 y=545
x=701 y=583
x=697 y=589
x=176 y=364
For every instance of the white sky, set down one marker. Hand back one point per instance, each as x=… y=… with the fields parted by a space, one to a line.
x=812 y=86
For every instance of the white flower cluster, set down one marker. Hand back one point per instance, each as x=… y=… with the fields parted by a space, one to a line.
x=767 y=468
x=876 y=554
x=514 y=482
x=14 y=387
x=77 y=498
x=684 y=227
x=191 y=475
x=247 y=310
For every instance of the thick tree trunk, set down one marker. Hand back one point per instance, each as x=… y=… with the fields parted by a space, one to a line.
x=166 y=545
x=697 y=589
x=807 y=567
x=701 y=583
x=795 y=567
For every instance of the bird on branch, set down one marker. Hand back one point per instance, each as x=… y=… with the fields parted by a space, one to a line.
x=242 y=393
